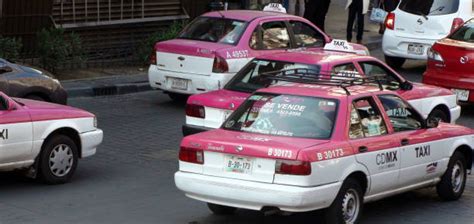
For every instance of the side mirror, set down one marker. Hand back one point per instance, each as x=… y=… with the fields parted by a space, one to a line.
x=432 y=122
x=406 y=86
x=6 y=103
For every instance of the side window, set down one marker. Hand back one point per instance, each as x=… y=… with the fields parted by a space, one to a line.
x=373 y=68
x=402 y=116
x=366 y=119
x=254 y=39
x=348 y=70
x=306 y=36
x=275 y=36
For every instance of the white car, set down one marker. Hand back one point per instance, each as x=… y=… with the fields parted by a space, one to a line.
x=44 y=139
x=415 y=25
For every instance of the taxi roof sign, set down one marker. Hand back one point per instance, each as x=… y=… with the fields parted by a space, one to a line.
x=339 y=45
x=274 y=7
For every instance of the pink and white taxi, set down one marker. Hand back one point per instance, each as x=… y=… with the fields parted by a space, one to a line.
x=216 y=45
x=322 y=144
x=44 y=139
x=208 y=110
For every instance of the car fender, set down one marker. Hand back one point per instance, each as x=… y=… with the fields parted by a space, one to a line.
x=460 y=141
x=426 y=105
x=353 y=168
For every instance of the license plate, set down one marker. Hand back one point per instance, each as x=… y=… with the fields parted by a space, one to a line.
x=179 y=83
x=417 y=49
x=462 y=95
x=238 y=164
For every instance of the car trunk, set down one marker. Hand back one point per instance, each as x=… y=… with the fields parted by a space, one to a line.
x=187 y=56
x=223 y=149
x=458 y=57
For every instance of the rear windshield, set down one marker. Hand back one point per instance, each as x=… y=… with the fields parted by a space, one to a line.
x=285 y=115
x=429 y=7
x=216 y=30
x=464 y=33
x=249 y=80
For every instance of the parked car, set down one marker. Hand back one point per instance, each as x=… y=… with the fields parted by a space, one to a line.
x=216 y=45
x=451 y=63
x=45 y=139
x=208 y=110
x=322 y=143
x=416 y=24
x=25 y=82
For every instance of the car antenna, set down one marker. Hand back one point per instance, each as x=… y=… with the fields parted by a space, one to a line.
x=220 y=13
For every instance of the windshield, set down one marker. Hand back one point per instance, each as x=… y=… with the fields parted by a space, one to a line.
x=216 y=30
x=430 y=7
x=464 y=33
x=249 y=80
x=285 y=115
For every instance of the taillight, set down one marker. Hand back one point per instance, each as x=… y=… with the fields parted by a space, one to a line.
x=293 y=167
x=194 y=110
x=191 y=155
x=220 y=65
x=457 y=22
x=434 y=55
x=390 y=21
x=153 y=58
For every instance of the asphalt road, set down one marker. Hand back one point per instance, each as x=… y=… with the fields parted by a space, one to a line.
x=130 y=180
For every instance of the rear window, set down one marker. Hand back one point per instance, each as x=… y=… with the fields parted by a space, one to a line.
x=216 y=30
x=249 y=80
x=285 y=115
x=430 y=7
x=464 y=33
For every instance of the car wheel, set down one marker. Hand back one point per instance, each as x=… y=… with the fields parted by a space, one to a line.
x=58 y=160
x=221 y=209
x=440 y=115
x=178 y=97
x=394 y=62
x=453 y=181
x=35 y=97
x=347 y=207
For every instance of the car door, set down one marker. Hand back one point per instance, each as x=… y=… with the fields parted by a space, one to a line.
x=16 y=134
x=373 y=145
x=305 y=36
x=422 y=149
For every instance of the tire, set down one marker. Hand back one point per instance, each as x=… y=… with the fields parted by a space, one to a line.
x=453 y=181
x=221 y=209
x=440 y=115
x=59 y=150
x=178 y=97
x=394 y=62
x=35 y=97
x=348 y=205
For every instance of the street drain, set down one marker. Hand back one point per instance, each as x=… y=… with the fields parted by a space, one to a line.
x=105 y=90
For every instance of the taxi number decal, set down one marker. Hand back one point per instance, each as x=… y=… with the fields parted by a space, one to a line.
x=4 y=134
x=331 y=154
x=238 y=54
x=280 y=153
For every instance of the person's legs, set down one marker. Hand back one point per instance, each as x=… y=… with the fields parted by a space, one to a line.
x=302 y=7
x=360 y=21
x=350 y=21
x=324 y=10
x=291 y=7
x=310 y=11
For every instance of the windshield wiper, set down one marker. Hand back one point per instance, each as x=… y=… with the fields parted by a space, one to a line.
x=441 y=8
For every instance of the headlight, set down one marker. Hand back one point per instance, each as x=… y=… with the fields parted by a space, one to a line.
x=95 y=122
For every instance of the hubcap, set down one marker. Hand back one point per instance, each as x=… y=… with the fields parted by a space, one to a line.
x=457 y=176
x=350 y=206
x=61 y=160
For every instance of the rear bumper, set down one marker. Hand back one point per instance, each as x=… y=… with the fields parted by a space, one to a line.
x=449 y=81
x=255 y=195
x=90 y=141
x=192 y=129
x=396 y=46
x=196 y=83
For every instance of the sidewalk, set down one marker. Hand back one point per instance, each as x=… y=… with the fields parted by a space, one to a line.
x=336 y=22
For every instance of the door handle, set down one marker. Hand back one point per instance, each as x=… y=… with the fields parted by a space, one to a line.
x=405 y=141
x=363 y=149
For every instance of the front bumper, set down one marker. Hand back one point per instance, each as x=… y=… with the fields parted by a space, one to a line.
x=255 y=195
x=192 y=129
x=90 y=141
x=396 y=46
x=196 y=83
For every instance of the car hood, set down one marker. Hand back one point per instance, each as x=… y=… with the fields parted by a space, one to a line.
x=222 y=99
x=249 y=144
x=424 y=91
x=40 y=110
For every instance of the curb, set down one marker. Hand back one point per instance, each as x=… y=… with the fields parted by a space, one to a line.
x=108 y=90
x=374 y=45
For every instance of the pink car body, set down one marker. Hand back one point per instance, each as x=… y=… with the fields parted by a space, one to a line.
x=193 y=64
x=217 y=105
x=315 y=169
x=29 y=128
